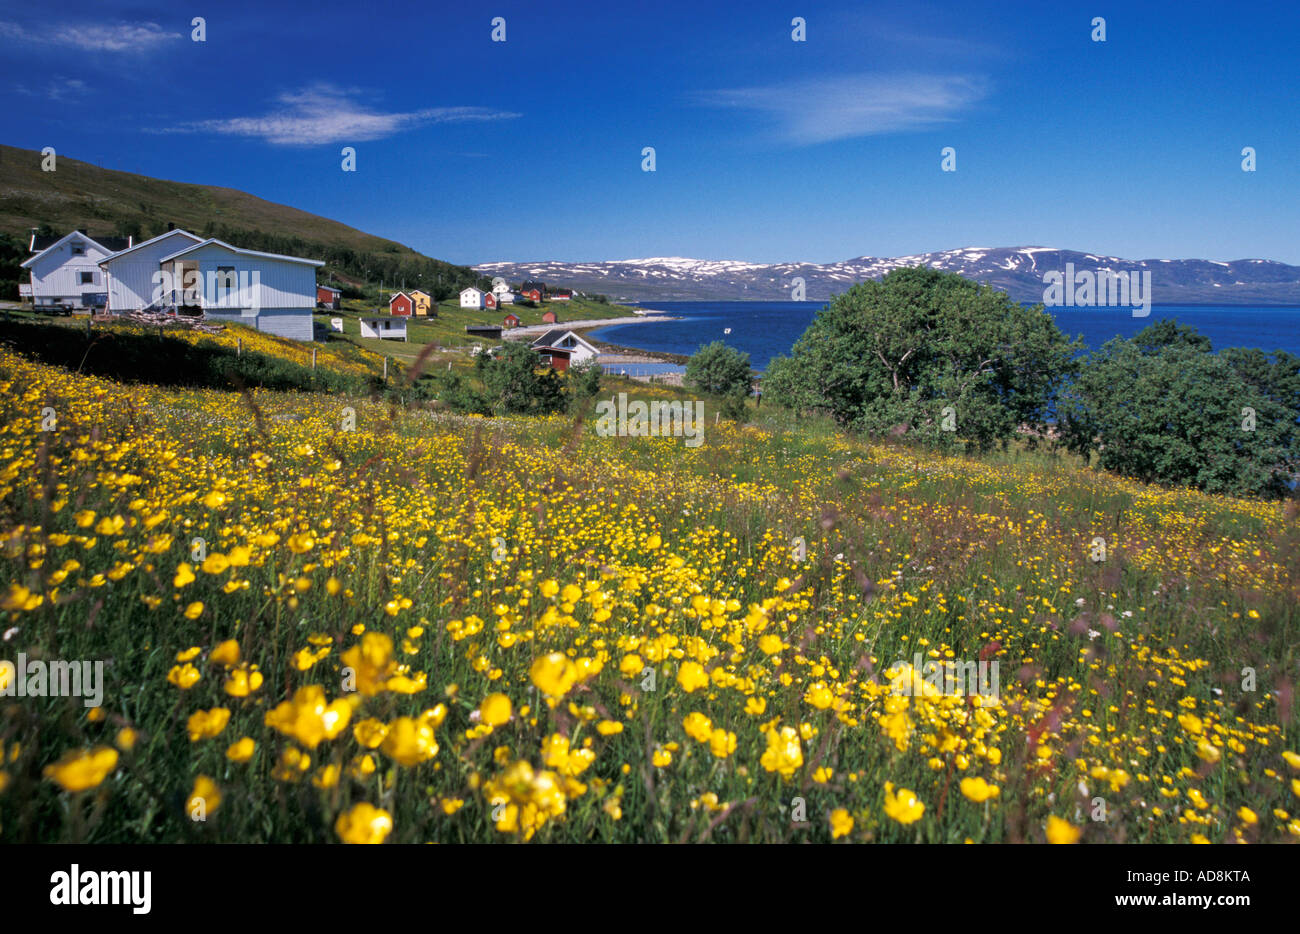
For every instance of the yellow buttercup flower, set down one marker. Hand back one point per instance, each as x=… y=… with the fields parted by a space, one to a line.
x=978 y=790
x=308 y=717
x=553 y=674
x=81 y=770
x=204 y=799
x=698 y=727
x=903 y=806
x=495 y=710
x=364 y=823
x=1062 y=831
x=841 y=823
x=691 y=676
x=205 y=724
x=226 y=653
x=783 y=754
x=184 y=676
x=409 y=741
x=241 y=750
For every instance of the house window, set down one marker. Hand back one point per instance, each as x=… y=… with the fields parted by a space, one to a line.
x=86 y=278
x=78 y=249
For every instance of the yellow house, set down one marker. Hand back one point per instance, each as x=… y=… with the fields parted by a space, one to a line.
x=422 y=301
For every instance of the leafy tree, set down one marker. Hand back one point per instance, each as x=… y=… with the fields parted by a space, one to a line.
x=719 y=370
x=1163 y=408
x=12 y=253
x=515 y=383
x=584 y=379
x=930 y=351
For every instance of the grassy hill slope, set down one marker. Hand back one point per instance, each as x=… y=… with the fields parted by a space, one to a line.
x=107 y=202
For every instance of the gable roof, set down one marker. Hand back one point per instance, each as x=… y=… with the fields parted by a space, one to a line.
x=55 y=242
x=213 y=241
x=396 y=295
x=470 y=288
x=553 y=337
x=144 y=243
x=330 y=288
x=420 y=292
x=41 y=243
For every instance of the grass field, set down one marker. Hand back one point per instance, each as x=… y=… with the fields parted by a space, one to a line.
x=434 y=628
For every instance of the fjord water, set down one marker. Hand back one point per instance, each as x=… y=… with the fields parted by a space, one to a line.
x=766 y=329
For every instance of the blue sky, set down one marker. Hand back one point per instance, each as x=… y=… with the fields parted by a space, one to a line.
x=767 y=150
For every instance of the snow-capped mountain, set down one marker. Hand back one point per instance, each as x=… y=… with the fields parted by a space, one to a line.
x=1016 y=270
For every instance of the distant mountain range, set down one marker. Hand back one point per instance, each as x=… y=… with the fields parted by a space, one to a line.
x=1016 y=270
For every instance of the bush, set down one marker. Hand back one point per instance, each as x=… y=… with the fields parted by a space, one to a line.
x=514 y=383
x=1162 y=407
x=931 y=352
x=584 y=380
x=719 y=370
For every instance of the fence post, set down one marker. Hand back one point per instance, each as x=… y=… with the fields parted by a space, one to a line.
x=385 y=369
x=239 y=346
x=313 y=358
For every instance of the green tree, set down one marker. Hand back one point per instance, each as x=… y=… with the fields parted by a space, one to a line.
x=931 y=351
x=584 y=379
x=515 y=382
x=1163 y=408
x=719 y=370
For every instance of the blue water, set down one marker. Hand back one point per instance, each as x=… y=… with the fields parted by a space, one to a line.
x=765 y=329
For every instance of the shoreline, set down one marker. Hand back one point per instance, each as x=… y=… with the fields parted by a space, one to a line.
x=590 y=324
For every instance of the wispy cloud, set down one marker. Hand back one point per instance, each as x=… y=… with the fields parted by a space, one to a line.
x=93 y=37
x=323 y=113
x=55 y=89
x=824 y=109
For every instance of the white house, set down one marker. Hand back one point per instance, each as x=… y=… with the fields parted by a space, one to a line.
x=471 y=298
x=503 y=294
x=384 y=326
x=579 y=350
x=66 y=272
x=131 y=274
x=270 y=292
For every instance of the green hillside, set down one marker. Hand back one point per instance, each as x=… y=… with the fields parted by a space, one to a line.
x=111 y=203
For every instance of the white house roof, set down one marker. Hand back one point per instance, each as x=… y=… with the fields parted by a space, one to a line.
x=58 y=243
x=212 y=241
x=144 y=243
x=471 y=289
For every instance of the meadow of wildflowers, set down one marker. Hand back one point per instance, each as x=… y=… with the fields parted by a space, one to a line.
x=434 y=628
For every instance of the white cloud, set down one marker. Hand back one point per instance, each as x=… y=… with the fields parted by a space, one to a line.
x=56 y=89
x=93 y=37
x=323 y=114
x=825 y=109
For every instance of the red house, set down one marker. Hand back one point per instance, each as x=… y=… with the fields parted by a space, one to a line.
x=329 y=298
x=562 y=295
x=557 y=358
x=532 y=295
x=549 y=317
x=511 y=321
x=489 y=300
x=401 y=304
